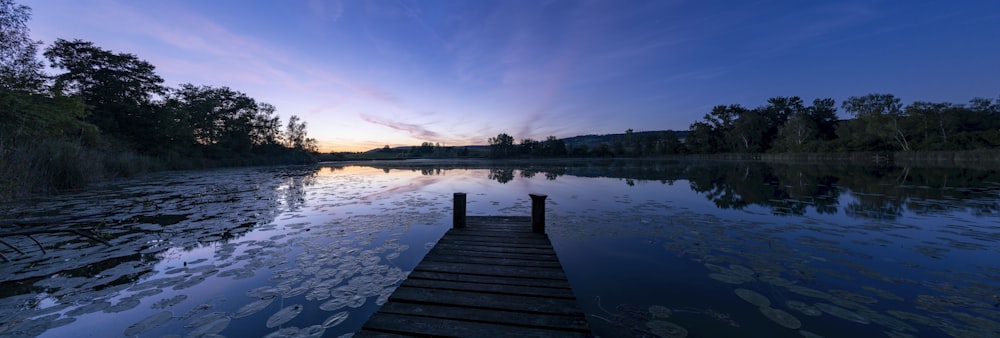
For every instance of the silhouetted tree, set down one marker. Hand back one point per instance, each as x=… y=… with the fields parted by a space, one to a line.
x=19 y=68
x=295 y=133
x=823 y=114
x=118 y=88
x=703 y=138
x=668 y=143
x=554 y=147
x=502 y=145
x=882 y=115
x=530 y=146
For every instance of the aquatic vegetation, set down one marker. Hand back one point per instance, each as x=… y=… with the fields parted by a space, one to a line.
x=89 y=308
x=286 y=332
x=808 y=292
x=841 y=313
x=205 y=319
x=806 y=309
x=781 y=317
x=660 y=311
x=852 y=297
x=651 y=321
x=336 y=319
x=666 y=329
x=253 y=307
x=753 y=297
x=284 y=315
x=890 y=322
x=728 y=278
x=882 y=293
x=168 y=302
x=210 y=328
x=345 y=236
x=808 y=334
x=148 y=323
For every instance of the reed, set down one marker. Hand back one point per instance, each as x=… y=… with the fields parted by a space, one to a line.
x=49 y=165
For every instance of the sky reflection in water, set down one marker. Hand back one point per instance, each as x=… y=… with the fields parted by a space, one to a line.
x=839 y=250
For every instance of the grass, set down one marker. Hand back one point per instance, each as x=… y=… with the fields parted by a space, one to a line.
x=49 y=165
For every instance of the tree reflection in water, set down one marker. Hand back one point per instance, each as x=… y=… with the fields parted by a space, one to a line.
x=873 y=192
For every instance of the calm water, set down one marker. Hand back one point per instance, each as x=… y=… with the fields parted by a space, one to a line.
x=651 y=248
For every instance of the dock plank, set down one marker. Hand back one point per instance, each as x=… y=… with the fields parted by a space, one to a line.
x=496 y=261
x=463 y=252
x=492 y=270
x=495 y=244
x=559 y=322
x=428 y=326
x=472 y=299
x=499 y=288
x=458 y=277
x=492 y=278
x=534 y=251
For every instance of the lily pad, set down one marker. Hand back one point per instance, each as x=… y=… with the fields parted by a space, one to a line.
x=253 y=307
x=753 y=297
x=727 y=278
x=284 y=315
x=89 y=308
x=123 y=305
x=356 y=301
x=336 y=319
x=318 y=294
x=210 y=328
x=149 y=323
x=208 y=318
x=741 y=270
x=808 y=334
x=168 y=302
x=287 y=332
x=334 y=304
x=660 y=311
x=666 y=329
x=806 y=309
x=809 y=292
x=781 y=317
x=842 y=313
x=315 y=331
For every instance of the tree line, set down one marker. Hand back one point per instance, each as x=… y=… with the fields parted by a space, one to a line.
x=877 y=123
x=114 y=107
x=629 y=144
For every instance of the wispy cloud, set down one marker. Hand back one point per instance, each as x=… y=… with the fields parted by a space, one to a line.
x=826 y=20
x=414 y=130
x=327 y=10
x=217 y=52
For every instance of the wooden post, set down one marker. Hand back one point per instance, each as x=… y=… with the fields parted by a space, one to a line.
x=538 y=213
x=459 y=220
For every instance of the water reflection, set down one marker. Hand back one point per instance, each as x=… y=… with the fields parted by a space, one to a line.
x=502 y=175
x=837 y=250
x=293 y=189
x=141 y=223
x=874 y=192
x=711 y=248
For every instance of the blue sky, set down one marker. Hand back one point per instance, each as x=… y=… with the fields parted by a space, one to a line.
x=368 y=73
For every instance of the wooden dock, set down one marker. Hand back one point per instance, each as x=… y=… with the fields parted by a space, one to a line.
x=487 y=277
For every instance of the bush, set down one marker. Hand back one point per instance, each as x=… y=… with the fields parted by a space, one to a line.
x=52 y=164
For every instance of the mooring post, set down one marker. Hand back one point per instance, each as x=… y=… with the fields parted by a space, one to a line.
x=459 y=221
x=537 y=213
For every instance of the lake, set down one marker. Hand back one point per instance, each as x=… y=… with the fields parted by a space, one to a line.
x=651 y=248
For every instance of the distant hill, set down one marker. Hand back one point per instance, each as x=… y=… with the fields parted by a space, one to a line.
x=591 y=141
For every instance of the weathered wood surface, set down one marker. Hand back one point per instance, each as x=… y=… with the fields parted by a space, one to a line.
x=492 y=278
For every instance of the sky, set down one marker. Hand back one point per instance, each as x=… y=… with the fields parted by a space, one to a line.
x=364 y=74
